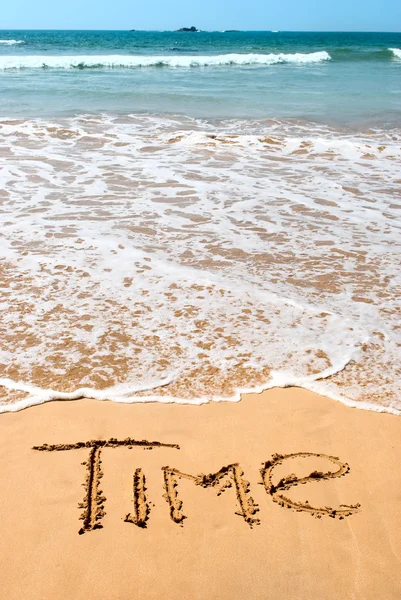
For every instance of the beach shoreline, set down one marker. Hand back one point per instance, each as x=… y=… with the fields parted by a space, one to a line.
x=200 y=280
x=187 y=254
x=238 y=544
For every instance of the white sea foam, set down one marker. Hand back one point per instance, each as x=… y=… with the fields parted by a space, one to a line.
x=171 y=259
x=396 y=52
x=130 y=61
x=11 y=42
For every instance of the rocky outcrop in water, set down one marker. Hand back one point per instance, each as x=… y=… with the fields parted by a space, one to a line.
x=188 y=29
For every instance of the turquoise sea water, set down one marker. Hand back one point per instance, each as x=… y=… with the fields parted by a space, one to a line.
x=185 y=216
x=355 y=80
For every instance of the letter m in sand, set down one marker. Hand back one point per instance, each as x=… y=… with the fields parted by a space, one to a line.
x=227 y=477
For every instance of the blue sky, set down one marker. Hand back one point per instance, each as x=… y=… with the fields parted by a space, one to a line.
x=321 y=15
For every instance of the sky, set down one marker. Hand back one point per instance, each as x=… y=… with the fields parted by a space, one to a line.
x=284 y=15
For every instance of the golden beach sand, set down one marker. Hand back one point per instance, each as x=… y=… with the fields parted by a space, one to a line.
x=171 y=529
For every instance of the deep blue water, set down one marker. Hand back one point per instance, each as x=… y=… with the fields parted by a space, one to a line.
x=354 y=81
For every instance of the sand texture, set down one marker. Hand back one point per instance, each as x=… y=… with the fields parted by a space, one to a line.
x=284 y=495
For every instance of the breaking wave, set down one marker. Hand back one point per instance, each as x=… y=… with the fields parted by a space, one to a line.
x=130 y=62
x=396 y=52
x=11 y=42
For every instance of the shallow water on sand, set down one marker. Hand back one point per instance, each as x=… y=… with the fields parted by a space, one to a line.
x=166 y=257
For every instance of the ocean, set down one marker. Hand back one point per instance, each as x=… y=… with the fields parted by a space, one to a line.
x=334 y=78
x=185 y=216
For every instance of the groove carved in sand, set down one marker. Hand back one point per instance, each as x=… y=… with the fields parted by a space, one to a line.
x=141 y=506
x=275 y=490
x=93 y=502
x=229 y=476
x=232 y=474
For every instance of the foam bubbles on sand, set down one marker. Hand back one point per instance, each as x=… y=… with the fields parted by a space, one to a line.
x=173 y=259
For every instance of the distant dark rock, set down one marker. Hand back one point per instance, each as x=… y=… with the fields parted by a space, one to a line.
x=188 y=29
x=132 y=29
x=231 y=31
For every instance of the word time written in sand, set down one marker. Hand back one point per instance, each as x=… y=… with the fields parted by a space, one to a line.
x=229 y=476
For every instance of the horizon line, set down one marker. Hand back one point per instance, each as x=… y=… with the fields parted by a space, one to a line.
x=212 y=30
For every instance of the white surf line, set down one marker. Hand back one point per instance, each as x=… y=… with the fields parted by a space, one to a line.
x=278 y=380
x=39 y=395
x=121 y=61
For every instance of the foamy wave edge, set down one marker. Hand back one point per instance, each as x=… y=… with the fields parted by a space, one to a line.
x=11 y=42
x=132 y=62
x=396 y=52
x=123 y=394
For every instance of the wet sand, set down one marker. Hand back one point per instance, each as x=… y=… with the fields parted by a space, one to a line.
x=201 y=502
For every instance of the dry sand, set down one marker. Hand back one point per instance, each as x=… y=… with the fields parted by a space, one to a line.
x=197 y=543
